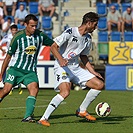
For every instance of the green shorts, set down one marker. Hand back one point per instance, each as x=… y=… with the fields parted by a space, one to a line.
x=15 y=76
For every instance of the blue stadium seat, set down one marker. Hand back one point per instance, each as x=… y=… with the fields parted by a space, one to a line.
x=128 y=36
x=48 y=33
x=101 y=9
x=33 y=7
x=117 y=7
x=102 y=36
x=12 y=18
x=24 y=3
x=115 y=36
x=124 y=6
x=102 y=23
x=103 y=46
x=47 y=23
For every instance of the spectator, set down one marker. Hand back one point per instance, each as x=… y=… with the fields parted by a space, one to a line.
x=20 y=14
x=104 y=1
x=1 y=17
x=46 y=6
x=127 y=19
x=113 y=19
x=114 y=1
x=6 y=26
x=21 y=25
x=9 y=7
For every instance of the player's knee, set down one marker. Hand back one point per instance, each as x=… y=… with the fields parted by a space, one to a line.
x=100 y=85
x=65 y=94
x=6 y=90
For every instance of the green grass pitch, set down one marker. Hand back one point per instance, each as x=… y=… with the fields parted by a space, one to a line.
x=63 y=120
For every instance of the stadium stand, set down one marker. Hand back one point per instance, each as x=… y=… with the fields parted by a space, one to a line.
x=102 y=24
x=115 y=36
x=46 y=23
x=124 y=6
x=128 y=36
x=101 y=9
x=117 y=6
x=103 y=46
x=33 y=8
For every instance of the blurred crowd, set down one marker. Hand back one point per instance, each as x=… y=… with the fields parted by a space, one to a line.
x=14 y=12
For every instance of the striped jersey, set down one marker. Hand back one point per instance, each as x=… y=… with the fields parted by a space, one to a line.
x=72 y=45
x=25 y=49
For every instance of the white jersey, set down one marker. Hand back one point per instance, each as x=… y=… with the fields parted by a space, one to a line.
x=6 y=39
x=72 y=45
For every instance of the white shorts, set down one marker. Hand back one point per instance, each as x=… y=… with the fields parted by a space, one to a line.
x=76 y=75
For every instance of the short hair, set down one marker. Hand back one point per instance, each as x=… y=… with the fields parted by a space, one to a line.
x=90 y=16
x=13 y=26
x=30 y=17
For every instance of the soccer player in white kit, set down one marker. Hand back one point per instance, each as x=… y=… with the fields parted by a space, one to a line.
x=68 y=47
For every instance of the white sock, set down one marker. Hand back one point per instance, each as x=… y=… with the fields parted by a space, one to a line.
x=90 y=96
x=55 y=102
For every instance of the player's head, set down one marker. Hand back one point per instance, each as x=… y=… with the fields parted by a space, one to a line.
x=90 y=20
x=31 y=22
x=14 y=29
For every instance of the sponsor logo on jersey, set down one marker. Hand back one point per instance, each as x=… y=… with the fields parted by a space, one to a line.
x=64 y=75
x=30 y=50
x=71 y=55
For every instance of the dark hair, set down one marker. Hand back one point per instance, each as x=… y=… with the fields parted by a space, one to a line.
x=13 y=26
x=30 y=17
x=9 y=18
x=90 y=16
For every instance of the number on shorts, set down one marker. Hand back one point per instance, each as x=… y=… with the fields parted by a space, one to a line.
x=10 y=77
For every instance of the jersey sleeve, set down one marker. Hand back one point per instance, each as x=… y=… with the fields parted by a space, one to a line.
x=63 y=37
x=46 y=40
x=13 y=46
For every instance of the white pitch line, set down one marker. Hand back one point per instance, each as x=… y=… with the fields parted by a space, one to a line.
x=40 y=106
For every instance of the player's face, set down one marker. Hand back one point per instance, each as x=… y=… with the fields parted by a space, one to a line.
x=91 y=26
x=31 y=27
x=14 y=31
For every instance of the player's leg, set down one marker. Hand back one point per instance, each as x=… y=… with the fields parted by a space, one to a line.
x=5 y=91
x=31 y=82
x=55 y=102
x=97 y=86
x=20 y=91
x=91 y=95
x=64 y=86
x=8 y=79
x=92 y=82
x=10 y=93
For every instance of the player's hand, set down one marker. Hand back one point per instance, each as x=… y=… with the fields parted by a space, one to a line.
x=99 y=75
x=63 y=62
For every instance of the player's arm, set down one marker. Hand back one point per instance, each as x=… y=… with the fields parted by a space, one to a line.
x=88 y=66
x=4 y=65
x=59 y=41
x=55 y=52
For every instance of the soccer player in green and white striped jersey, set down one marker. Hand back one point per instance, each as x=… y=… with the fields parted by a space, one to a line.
x=22 y=55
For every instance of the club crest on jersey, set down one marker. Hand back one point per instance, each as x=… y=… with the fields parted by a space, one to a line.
x=64 y=75
x=71 y=55
x=30 y=50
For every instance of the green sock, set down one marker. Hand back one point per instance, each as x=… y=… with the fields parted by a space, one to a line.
x=30 y=105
